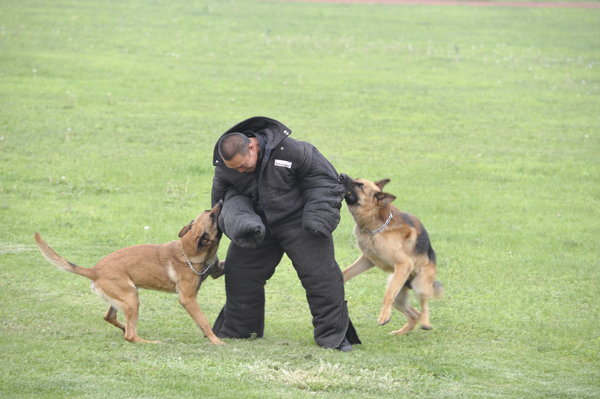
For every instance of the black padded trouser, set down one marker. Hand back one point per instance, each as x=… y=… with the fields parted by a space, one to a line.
x=248 y=269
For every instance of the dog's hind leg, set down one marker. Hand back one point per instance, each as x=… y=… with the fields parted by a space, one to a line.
x=412 y=315
x=131 y=306
x=111 y=317
x=425 y=323
x=122 y=294
x=424 y=289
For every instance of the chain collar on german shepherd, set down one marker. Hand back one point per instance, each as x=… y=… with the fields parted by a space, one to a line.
x=178 y=266
x=398 y=244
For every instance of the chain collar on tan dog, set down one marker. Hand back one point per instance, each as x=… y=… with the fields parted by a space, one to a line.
x=383 y=226
x=202 y=273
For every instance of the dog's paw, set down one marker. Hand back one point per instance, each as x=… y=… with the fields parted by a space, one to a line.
x=384 y=318
x=426 y=327
x=218 y=342
x=139 y=340
x=217 y=269
x=405 y=329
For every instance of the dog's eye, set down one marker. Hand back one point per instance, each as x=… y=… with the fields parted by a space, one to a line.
x=204 y=239
x=360 y=186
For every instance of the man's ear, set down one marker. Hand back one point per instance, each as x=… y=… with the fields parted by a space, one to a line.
x=384 y=198
x=185 y=229
x=382 y=183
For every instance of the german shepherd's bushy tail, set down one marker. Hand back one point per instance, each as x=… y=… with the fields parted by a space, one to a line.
x=61 y=262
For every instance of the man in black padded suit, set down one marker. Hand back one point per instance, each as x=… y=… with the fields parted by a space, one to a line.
x=291 y=195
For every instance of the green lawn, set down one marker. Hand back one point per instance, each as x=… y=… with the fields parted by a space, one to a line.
x=486 y=119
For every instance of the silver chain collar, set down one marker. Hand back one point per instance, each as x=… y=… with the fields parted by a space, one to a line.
x=202 y=273
x=383 y=226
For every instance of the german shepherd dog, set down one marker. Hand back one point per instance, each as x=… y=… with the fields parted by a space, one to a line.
x=178 y=266
x=398 y=244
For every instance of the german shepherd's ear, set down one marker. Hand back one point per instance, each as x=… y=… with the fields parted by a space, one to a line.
x=382 y=183
x=384 y=198
x=185 y=229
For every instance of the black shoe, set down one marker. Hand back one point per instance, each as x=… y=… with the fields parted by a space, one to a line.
x=345 y=346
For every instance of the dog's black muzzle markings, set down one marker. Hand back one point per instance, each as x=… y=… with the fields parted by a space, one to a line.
x=349 y=189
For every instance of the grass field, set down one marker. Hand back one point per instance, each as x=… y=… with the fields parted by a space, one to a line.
x=487 y=120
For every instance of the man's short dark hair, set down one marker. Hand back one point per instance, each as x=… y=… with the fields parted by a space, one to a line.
x=232 y=144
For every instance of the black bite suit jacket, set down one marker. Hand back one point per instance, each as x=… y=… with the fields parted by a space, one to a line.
x=294 y=184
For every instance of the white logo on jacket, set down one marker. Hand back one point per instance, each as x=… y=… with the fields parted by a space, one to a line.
x=283 y=164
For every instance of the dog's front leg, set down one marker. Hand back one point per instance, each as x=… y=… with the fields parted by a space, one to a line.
x=360 y=265
x=187 y=299
x=397 y=279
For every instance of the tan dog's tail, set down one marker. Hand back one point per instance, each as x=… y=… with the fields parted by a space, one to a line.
x=438 y=290
x=61 y=262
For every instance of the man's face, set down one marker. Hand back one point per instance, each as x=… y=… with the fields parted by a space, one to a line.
x=244 y=163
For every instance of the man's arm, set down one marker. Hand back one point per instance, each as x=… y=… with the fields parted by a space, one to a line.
x=219 y=186
x=238 y=220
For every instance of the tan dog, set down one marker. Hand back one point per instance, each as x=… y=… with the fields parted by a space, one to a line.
x=397 y=243
x=178 y=266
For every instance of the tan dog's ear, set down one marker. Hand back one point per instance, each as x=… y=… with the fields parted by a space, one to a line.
x=185 y=229
x=382 y=183
x=384 y=198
